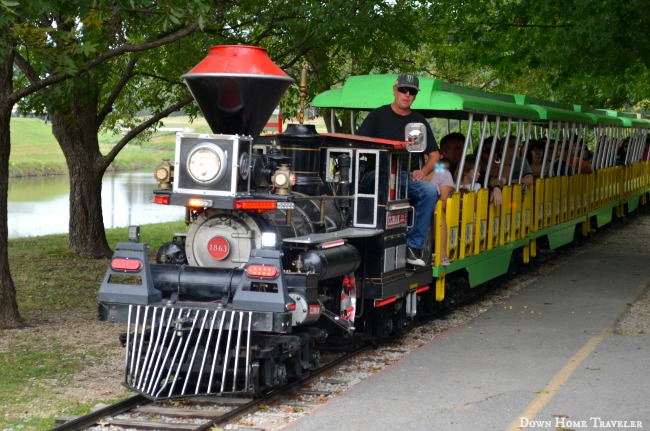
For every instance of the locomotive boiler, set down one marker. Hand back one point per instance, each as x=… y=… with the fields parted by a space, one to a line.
x=291 y=237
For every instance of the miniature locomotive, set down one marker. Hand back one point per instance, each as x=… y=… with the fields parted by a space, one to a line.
x=292 y=237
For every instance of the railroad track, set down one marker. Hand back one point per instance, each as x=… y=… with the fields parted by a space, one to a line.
x=206 y=413
x=192 y=413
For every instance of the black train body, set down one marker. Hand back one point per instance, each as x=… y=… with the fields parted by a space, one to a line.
x=292 y=238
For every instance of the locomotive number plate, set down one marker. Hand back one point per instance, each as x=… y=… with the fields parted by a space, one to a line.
x=219 y=248
x=396 y=219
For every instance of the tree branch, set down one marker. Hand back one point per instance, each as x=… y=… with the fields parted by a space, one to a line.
x=126 y=76
x=536 y=25
x=108 y=159
x=161 y=40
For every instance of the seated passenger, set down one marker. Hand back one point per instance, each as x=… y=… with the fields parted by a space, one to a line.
x=468 y=174
x=451 y=147
x=389 y=122
x=567 y=164
x=493 y=183
x=621 y=153
x=443 y=181
x=580 y=165
x=514 y=164
x=535 y=156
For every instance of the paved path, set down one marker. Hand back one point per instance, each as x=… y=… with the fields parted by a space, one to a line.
x=546 y=359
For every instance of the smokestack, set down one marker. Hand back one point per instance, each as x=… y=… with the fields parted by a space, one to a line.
x=237 y=88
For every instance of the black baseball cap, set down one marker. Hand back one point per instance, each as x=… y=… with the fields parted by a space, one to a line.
x=408 y=80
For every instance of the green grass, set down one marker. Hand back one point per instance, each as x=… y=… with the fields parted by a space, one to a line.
x=48 y=277
x=30 y=136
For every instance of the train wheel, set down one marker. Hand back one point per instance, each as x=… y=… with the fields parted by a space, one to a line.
x=348 y=304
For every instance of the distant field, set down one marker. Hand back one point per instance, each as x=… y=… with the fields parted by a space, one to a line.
x=35 y=151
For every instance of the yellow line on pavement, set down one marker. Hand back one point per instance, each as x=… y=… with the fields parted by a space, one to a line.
x=565 y=373
x=560 y=379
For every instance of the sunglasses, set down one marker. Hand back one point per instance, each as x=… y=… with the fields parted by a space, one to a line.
x=404 y=90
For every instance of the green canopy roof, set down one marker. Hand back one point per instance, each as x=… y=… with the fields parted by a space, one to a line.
x=599 y=116
x=629 y=119
x=435 y=99
x=554 y=111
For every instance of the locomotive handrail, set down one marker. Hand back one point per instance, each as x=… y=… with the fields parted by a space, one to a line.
x=398 y=145
x=319 y=238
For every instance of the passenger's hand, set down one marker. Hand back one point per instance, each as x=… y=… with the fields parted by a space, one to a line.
x=495 y=196
x=417 y=175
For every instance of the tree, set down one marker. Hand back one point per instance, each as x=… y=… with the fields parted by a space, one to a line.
x=54 y=60
x=578 y=51
x=103 y=49
x=9 y=315
x=79 y=107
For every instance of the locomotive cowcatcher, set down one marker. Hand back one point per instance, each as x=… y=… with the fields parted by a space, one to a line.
x=292 y=237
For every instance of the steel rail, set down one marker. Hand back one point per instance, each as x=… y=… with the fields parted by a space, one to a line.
x=91 y=419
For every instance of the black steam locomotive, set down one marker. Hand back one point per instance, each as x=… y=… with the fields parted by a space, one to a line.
x=292 y=237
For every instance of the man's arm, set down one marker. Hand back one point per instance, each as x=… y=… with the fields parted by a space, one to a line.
x=432 y=158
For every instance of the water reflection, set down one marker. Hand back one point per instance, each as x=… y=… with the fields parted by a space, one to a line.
x=40 y=206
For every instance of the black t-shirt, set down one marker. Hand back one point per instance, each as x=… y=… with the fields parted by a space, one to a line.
x=384 y=123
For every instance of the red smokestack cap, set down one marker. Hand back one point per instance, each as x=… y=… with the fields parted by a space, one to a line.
x=237 y=88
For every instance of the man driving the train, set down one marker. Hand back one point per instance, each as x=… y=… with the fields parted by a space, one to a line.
x=389 y=122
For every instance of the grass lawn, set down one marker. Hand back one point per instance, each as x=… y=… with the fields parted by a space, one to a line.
x=32 y=136
x=48 y=368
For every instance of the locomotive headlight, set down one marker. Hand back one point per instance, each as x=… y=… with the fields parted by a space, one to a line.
x=207 y=163
x=282 y=180
x=269 y=240
x=163 y=174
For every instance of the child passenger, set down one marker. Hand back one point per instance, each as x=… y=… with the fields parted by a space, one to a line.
x=444 y=182
x=468 y=174
x=535 y=156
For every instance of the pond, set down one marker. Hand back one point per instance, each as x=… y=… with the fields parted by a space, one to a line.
x=40 y=205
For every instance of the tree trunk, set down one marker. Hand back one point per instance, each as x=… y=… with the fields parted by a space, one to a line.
x=76 y=129
x=87 y=233
x=9 y=316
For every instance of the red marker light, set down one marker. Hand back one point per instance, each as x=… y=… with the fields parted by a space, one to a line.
x=254 y=205
x=161 y=199
x=349 y=283
x=123 y=264
x=262 y=271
